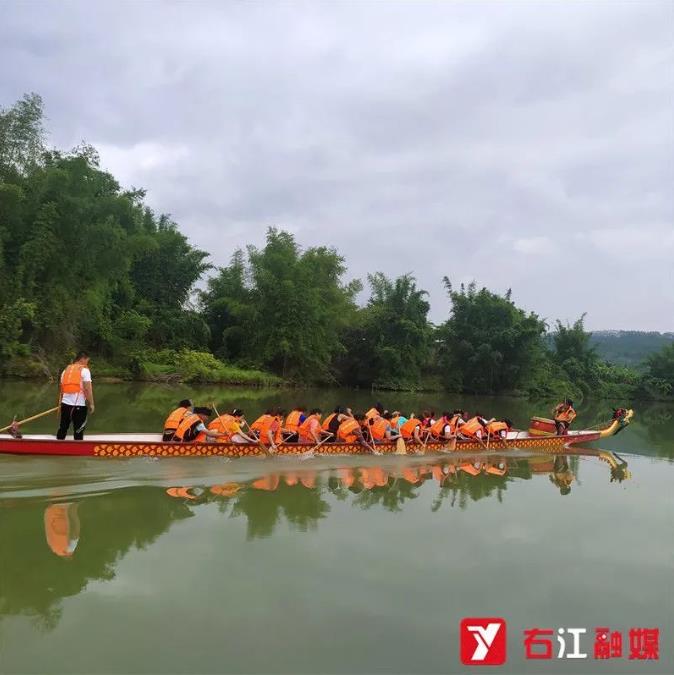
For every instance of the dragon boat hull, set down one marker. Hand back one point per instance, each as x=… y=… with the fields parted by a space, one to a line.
x=151 y=445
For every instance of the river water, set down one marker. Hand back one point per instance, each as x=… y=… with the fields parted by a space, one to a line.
x=329 y=565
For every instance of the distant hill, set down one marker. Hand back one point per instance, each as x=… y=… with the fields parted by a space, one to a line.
x=628 y=347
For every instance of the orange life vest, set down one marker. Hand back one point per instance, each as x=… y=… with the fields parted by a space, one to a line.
x=394 y=421
x=378 y=429
x=225 y=424
x=407 y=429
x=372 y=412
x=305 y=428
x=326 y=422
x=263 y=425
x=438 y=428
x=472 y=428
x=292 y=422
x=566 y=415
x=454 y=422
x=174 y=419
x=494 y=429
x=347 y=431
x=185 y=431
x=71 y=382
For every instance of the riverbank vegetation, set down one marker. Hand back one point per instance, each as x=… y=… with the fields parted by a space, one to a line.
x=84 y=263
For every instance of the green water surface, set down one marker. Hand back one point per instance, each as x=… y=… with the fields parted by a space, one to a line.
x=290 y=566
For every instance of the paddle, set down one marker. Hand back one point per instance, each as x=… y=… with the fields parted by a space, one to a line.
x=401 y=448
x=30 y=419
x=310 y=451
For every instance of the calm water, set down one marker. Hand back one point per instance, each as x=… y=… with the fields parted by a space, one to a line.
x=357 y=565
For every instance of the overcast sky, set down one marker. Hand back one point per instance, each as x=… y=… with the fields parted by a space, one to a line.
x=524 y=145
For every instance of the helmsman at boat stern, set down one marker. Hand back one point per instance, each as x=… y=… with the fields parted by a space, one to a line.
x=75 y=392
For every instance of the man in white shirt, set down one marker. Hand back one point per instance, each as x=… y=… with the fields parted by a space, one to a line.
x=75 y=392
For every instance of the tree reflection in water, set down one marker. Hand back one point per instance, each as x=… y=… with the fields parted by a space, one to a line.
x=59 y=548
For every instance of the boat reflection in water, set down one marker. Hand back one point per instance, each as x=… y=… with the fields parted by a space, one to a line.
x=392 y=485
x=83 y=538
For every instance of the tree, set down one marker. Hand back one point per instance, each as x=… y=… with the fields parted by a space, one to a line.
x=84 y=263
x=659 y=376
x=574 y=352
x=281 y=308
x=389 y=342
x=21 y=136
x=488 y=345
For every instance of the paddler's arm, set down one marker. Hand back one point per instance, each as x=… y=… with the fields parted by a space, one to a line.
x=246 y=437
x=316 y=436
x=365 y=444
x=212 y=433
x=270 y=439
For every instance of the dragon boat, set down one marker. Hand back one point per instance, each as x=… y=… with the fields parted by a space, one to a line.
x=540 y=436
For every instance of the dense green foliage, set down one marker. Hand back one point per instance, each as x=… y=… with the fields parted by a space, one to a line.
x=86 y=264
x=388 y=342
x=281 y=307
x=488 y=344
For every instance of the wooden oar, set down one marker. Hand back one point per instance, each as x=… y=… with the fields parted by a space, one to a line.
x=310 y=451
x=30 y=419
x=401 y=448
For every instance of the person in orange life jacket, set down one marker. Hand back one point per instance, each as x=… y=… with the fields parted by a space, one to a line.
x=442 y=428
x=194 y=424
x=397 y=420
x=473 y=428
x=499 y=428
x=351 y=431
x=292 y=423
x=235 y=432
x=310 y=430
x=268 y=428
x=380 y=428
x=175 y=418
x=340 y=415
x=75 y=392
x=459 y=417
x=412 y=430
x=564 y=414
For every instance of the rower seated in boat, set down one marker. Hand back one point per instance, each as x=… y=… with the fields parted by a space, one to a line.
x=175 y=418
x=310 y=430
x=498 y=429
x=291 y=426
x=380 y=429
x=351 y=431
x=229 y=428
x=267 y=427
x=397 y=420
x=474 y=428
x=330 y=424
x=412 y=429
x=564 y=414
x=442 y=429
x=193 y=427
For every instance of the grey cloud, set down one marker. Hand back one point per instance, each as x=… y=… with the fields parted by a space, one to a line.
x=524 y=145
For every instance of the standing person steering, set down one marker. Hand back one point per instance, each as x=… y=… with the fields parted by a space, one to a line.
x=75 y=392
